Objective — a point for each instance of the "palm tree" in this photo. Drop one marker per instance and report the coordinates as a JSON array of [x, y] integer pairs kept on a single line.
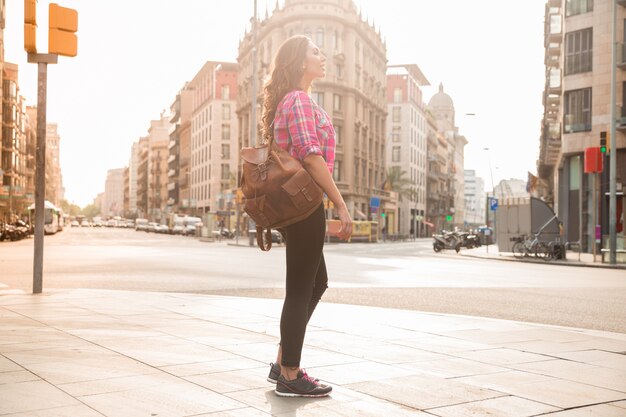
[[396, 181]]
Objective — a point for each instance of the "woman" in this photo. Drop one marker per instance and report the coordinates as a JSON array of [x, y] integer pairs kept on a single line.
[[294, 122]]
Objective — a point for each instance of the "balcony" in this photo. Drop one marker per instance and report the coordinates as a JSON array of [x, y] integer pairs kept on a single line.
[[620, 124], [554, 49], [621, 55]]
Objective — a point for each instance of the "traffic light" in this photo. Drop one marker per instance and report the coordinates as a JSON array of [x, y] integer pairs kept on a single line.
[[383, 215], [448, 218], [62, 25], [30, 26], [603, 137]]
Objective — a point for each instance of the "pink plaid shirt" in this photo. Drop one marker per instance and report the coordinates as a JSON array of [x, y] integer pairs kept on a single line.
[[303, 128]]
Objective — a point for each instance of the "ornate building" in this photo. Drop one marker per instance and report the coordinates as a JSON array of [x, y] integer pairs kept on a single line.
[[442, 108], [353, 91]]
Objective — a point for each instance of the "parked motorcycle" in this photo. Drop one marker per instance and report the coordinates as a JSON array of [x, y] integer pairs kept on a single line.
[[446, 240], [468, 240]]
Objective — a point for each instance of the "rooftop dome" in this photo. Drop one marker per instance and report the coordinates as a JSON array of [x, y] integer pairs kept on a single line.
[[441, 100]]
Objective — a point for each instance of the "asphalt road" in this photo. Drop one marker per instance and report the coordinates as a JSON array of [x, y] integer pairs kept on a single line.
[[406, 275]]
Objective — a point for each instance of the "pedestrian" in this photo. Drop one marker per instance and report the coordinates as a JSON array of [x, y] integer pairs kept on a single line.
[[296, 123]]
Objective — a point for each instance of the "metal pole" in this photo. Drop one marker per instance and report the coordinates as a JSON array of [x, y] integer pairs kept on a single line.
[[613, 156], [253, 129], [40, 177]]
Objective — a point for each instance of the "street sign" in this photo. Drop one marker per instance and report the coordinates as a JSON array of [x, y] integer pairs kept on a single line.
[[375, 202], [493, 203]]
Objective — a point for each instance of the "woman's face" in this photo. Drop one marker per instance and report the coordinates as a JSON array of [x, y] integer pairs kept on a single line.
[[314, 62]]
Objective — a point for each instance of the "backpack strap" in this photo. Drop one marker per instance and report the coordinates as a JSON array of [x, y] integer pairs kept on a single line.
[[261, 241]]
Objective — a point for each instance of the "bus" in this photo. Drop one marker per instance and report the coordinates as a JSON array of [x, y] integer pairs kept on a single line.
[[53, 218]]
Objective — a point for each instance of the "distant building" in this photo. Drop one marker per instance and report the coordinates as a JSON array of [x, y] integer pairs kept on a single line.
[[442, 108], [213, 149], [55, 192], [113, 200], [511, 191], [407, 144], [179, 162], [475, 199]]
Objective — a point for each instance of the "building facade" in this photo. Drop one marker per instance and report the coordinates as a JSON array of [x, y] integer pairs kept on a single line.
[[439, 181], [475, 199], [113, 200], [214, 148], [17, 155], [352, 93], [441, 107], [577, 109], [407, 148], [180, 152], [55, 192]]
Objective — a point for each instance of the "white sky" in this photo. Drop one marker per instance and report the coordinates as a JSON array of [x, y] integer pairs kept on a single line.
[[134, 56]]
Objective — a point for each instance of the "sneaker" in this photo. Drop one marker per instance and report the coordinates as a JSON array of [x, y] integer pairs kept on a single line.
[[302, 386], [274, 373]]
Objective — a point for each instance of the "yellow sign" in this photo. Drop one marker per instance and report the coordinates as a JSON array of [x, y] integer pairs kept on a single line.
[[63, 23], [30, 26]]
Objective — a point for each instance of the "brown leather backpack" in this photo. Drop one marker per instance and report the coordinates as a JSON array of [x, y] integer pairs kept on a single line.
[[278, 191]]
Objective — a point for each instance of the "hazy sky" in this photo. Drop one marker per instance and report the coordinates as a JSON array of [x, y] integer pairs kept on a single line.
[[133, 57]]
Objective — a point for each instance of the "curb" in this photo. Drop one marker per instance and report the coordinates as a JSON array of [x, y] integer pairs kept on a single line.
[[534, 261]]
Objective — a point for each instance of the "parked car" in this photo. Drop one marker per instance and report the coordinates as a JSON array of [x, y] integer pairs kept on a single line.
[[151, 227], [74, 223], [141, 225], [161, 228]]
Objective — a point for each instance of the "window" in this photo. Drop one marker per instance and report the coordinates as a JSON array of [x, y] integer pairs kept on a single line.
[[335, 40], [225, 132], [573, 7], [319, 38], [395, 154], [578, 51], [338, 135], [225, 92], [337, 170], [226, 111], [225, 172], [339, 70], [318, 98], [395, 134], [577, 111], [225, 151], [336, 102], [396, 115], [397, 95]]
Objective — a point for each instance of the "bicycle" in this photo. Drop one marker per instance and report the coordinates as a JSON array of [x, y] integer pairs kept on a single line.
[[525, 247]]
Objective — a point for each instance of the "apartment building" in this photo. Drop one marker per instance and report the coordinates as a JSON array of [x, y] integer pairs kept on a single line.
[[577, 110], [352, 93], [214, 149], [407, 147]]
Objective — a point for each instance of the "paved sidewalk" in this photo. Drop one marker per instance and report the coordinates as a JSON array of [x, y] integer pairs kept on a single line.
[[130, 354], [573, 258]]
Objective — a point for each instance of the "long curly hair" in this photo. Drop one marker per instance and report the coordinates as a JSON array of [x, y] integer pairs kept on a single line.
[[286, 76]]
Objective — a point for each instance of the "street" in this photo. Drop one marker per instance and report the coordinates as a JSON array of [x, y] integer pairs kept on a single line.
[[403, 275]]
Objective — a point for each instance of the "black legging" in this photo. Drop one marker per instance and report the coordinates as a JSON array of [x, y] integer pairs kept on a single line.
[[306, 282]]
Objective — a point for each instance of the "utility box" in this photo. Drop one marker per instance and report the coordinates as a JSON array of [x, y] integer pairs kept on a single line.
[[525, 218]]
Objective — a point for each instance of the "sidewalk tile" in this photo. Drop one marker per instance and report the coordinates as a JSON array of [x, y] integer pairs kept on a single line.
[[565, 394], [495, 407], [358, 372], [440, 344], [232, 381], [452, 368], [423, 392], [602, 410], [60, 354], [241, 412], [70, 411], [222, 365], [176, 399], [116, 384], [7, 365], [266, 400], [364, 408], [17, 376], [503, 381], [502, 356], [18, 397]]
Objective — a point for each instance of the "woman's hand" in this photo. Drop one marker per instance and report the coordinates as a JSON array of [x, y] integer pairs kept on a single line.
[[346, 223]]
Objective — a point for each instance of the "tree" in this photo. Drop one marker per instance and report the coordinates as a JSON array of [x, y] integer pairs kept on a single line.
[[91, 211], [396, 181], [69, 208]]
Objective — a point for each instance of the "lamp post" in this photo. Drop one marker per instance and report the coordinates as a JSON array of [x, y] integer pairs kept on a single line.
[[493, 194]]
